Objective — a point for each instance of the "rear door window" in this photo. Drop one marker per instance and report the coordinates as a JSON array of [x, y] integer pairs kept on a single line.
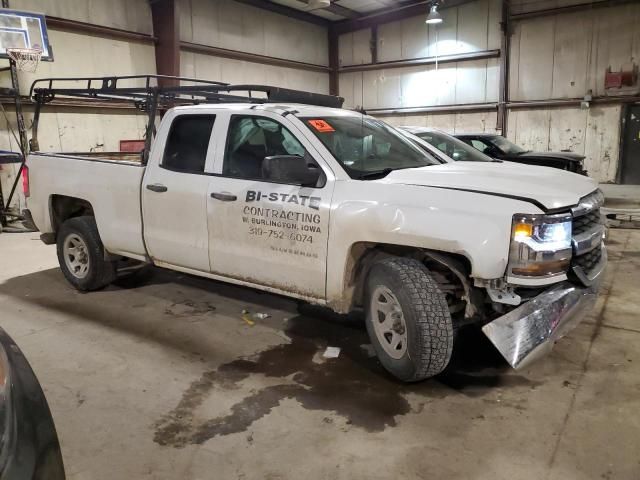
[[188, 142]]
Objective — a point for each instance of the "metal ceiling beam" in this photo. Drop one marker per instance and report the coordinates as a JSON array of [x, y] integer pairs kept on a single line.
[[413, 62], [252, 57], [386, 15], [67, 25], [569, 9], [287, 11]]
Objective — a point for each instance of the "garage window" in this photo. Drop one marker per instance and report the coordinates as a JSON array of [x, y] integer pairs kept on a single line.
[[188, 142]]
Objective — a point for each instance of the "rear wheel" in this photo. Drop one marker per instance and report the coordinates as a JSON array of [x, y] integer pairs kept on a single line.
[[408, 319], [81, 255]]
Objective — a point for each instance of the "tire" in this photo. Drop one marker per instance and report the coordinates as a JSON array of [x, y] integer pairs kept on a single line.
[[89, 270], [421, 348]]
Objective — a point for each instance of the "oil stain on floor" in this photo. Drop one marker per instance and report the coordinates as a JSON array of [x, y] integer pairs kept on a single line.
[[338, 385]]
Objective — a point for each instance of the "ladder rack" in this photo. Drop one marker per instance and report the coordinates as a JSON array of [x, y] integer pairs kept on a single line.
[[154, 93]]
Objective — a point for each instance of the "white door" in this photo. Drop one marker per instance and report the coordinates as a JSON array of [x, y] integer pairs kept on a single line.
[[269, 233], [174, 194]]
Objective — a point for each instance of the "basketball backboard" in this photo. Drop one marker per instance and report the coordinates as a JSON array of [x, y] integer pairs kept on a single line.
[[20, 29]]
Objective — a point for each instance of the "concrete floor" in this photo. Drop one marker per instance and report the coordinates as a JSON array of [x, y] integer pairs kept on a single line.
[[165, 380]]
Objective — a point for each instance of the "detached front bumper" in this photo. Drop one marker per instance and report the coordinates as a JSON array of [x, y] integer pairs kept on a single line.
[[529, 332]]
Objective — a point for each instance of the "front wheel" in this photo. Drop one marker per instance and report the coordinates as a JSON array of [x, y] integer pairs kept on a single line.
[[81, 255], [408, 319]]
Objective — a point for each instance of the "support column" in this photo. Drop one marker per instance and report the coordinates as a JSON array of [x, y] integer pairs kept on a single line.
[[166, 28], [334, 62], [503, 94], [22, 133]]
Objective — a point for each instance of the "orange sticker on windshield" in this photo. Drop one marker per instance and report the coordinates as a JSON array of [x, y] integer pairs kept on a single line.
[[321, 126]]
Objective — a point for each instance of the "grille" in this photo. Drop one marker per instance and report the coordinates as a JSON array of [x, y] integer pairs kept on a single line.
[[589, 260], [586, 222]]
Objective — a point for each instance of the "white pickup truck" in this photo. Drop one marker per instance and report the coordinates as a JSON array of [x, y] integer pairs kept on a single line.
[[335, 208]]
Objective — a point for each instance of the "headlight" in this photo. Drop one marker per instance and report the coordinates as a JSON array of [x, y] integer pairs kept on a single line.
[[540, 245]]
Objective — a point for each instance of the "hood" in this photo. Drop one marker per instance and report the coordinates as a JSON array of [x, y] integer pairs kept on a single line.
[[549, 187], [569, 156]]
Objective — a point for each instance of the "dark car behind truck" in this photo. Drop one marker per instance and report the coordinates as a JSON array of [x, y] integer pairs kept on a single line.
[[498, 147]]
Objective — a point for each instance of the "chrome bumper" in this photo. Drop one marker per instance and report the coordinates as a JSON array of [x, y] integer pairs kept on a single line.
[[528, 332]]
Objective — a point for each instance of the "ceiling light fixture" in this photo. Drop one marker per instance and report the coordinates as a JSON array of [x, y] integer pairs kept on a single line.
[[434, 16], [316, 4]]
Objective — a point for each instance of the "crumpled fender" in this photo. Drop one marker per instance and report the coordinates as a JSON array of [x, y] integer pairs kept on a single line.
[[475, 225]]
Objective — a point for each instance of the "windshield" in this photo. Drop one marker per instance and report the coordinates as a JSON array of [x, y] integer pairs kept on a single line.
[[452, 147], [506, 146], [367, 147]]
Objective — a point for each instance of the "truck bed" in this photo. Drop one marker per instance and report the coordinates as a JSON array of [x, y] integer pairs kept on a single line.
[[110, 182]]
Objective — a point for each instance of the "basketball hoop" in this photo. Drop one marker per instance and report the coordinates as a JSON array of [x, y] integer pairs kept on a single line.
[[27, 59]]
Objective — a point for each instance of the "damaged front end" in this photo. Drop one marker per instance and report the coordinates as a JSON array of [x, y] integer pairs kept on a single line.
[[567, 249], [529, 331]]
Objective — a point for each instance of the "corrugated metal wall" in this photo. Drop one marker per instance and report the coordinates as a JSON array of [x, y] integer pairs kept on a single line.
[[65, 129], [472, 27], [560, 56], [552, 57], [467, 122], [218, 23], [564, 56], [235, 26]]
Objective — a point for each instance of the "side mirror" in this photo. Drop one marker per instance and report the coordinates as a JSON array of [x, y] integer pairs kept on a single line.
[[291, 169]]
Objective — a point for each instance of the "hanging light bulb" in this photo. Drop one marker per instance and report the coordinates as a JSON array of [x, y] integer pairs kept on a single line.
[[434, 16]]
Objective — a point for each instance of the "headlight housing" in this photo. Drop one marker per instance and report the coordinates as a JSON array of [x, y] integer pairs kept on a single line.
[[540, 246]]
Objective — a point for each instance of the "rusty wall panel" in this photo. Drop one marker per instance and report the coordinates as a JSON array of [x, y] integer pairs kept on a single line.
[[593, 132], [601, 142], [567, 129], [564, 56]]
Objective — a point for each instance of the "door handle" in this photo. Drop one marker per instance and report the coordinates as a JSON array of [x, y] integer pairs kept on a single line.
[[156, 187], [224, 197]]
